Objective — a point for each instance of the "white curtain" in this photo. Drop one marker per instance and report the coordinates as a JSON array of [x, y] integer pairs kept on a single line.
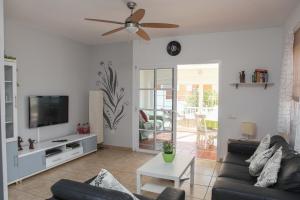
[[289, 110], [286, 88]]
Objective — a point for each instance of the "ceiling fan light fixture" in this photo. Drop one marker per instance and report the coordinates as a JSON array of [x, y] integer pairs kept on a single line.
[[132, 23], [132, 27]]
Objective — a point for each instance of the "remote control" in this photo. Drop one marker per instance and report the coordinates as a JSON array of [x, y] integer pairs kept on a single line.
[[59, 140]]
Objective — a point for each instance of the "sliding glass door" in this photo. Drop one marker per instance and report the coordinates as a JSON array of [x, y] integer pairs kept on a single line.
[[156, 107]]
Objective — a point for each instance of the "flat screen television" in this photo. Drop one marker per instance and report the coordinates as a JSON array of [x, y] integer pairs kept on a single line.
[[48, 110]]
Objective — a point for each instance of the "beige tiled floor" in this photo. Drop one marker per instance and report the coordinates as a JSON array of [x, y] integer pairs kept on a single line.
[[122, 164]]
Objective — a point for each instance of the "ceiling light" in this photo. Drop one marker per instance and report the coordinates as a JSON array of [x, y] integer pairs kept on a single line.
[[132, 27]]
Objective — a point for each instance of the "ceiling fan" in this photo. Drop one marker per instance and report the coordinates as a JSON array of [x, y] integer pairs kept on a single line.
[[132, 23]]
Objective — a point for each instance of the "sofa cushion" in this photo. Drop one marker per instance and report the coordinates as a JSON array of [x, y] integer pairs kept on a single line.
[[140, 197], [144, 116], [106, 180], [279, 140], [258, 163], [287, 151], [172, 193], [238, 159], [268, 176], [289, 175], [233, 189], [263, 145], [236, 172], [245, 147], [67, 189]]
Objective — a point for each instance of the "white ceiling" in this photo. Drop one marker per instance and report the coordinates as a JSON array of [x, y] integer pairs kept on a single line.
[[65, 17]]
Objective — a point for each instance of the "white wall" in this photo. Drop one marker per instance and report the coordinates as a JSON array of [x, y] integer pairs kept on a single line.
[[120, 54], [48, 65], [62, 66], [3, 170], [236, 51]]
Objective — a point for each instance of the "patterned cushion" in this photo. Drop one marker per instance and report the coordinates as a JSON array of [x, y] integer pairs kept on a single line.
[[269, 174], [144, 116], [263, 145], [108, 181], [258, 163]]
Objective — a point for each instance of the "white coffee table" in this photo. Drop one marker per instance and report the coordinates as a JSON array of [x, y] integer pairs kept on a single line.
[[157, 168]]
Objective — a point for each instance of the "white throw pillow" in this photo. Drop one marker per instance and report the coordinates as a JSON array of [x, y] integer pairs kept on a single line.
[[269, 174], [258, 163], [263, 145], [108, 181]]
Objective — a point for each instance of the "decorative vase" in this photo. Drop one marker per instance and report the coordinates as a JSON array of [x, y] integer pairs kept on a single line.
[[168, 157], [242, 77]]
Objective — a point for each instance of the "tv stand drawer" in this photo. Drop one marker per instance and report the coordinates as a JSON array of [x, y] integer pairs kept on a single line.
[[63, 157], [54, 160], [74, 152]]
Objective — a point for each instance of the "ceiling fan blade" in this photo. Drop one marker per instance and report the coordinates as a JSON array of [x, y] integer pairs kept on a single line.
[[137, 15], [159, 25], [113, 31], [143, 34], [105, 21]]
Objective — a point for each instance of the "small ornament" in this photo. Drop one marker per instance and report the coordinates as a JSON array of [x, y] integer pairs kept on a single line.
[[78, 128], [83, 128], [242, 77], [88, 128], [31, 142], [20, 140]]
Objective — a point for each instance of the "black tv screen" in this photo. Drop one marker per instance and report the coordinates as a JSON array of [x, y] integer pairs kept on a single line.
[[48, 110]]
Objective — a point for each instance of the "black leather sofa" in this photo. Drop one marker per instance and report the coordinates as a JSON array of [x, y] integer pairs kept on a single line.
[[235, 183], [72, 190]]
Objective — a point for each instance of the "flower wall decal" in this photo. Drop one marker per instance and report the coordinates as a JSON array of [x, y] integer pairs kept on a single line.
[[114, 105]]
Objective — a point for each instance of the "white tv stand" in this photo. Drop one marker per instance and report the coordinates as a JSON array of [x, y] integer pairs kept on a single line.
[[31, 162]]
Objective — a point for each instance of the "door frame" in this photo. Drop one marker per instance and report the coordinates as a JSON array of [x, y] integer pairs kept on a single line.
[[135, 102], [3, 168], [136, 90]]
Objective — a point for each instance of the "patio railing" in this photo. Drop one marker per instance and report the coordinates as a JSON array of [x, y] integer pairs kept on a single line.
[[192, 111]]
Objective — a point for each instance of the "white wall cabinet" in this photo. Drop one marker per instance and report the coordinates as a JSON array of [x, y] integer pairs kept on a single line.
[[32, 163], [10, 98], [12, 161]]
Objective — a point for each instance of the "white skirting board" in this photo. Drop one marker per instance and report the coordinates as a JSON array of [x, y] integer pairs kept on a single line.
[[96, 114]]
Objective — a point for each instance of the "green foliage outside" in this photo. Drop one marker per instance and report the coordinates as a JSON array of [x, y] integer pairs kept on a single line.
[[193, 100], [210, 98]]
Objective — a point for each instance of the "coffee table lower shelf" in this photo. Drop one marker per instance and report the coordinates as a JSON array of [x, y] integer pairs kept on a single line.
[[182, 168], [155, 188]]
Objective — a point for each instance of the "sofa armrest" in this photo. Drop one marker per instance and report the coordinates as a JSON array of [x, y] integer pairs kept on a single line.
[[71, 190], [242, 146], [172, 194], [227, 188]]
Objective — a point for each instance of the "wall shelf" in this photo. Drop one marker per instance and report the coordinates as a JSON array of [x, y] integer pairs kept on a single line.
[[265, 85]]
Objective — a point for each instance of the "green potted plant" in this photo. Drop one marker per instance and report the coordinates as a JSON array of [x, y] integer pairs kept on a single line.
[[168, 152]]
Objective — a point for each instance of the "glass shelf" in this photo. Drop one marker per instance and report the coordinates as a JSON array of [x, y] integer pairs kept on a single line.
[[10, 95]]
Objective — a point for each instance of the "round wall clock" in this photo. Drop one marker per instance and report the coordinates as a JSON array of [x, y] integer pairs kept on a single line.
[[173, 48]]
